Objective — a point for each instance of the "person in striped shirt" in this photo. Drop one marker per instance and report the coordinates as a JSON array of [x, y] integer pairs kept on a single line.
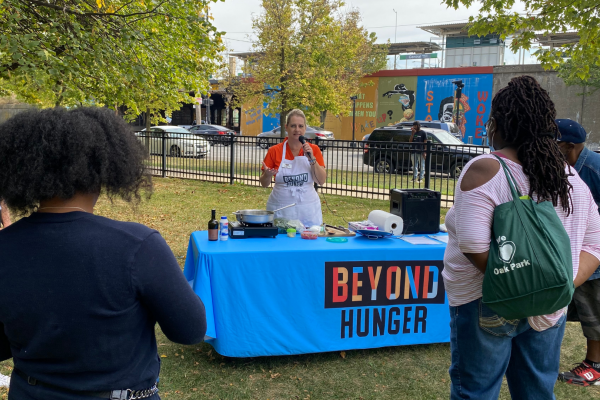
[[484, 346]]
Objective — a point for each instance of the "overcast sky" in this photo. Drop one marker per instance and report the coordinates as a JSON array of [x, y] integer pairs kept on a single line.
[[235, 18]]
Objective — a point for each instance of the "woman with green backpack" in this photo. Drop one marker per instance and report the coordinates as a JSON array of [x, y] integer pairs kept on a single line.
[[523, 231]]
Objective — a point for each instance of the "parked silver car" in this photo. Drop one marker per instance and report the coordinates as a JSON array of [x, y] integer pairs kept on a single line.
[[269, 138], [179, 142]]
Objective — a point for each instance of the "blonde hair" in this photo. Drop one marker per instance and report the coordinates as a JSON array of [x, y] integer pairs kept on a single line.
[[294, 113]]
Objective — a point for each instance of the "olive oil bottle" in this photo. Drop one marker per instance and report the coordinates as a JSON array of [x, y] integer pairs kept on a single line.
[[213, 227]]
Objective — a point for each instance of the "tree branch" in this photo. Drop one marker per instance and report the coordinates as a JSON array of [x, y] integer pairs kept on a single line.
[[123, 6], [58, 51], [75, 12]]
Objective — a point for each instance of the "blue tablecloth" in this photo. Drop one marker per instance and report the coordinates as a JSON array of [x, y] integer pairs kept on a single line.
[[276, 296]]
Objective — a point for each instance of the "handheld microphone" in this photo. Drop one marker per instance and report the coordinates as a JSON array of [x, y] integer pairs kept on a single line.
[[303, 140]]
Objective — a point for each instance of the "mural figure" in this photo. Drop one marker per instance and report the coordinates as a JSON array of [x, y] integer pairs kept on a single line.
[[408, 115], [446, 112], [407, 97], [434, 99]]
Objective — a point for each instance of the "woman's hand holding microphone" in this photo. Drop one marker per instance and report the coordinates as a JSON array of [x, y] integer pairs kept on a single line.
[[307, 151]]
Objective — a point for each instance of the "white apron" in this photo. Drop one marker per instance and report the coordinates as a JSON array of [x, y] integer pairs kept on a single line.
[[294, 184]]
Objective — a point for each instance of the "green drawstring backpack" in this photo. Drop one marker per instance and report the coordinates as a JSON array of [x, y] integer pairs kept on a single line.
[[529, 268]]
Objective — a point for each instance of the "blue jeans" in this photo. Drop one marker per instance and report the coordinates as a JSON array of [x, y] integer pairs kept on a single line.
[[485, 347], [418, 163]]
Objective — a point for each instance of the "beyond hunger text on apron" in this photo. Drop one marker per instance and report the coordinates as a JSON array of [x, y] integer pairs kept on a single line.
[[294, 184]]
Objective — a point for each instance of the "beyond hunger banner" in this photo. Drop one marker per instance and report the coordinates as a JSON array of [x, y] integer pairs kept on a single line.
[[400, 290]]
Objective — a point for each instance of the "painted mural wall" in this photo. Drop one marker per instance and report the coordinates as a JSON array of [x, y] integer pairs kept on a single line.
[[436, 101], [393, 99], [397, 100], [390, 97], [366, 113], [333, 123], [252, 121], [270, 122], [255, 121]]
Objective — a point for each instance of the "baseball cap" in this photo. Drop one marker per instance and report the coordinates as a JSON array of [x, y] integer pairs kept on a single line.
[[571, 131]]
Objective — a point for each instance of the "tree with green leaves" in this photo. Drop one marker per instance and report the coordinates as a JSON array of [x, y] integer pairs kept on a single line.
[[142, 54], [308, 54], [569, 72], [544, 17]]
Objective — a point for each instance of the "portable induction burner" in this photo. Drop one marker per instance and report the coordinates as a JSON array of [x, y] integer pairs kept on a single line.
[[240, 230]]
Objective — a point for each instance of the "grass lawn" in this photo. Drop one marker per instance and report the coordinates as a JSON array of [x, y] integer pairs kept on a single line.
[[179, 207]]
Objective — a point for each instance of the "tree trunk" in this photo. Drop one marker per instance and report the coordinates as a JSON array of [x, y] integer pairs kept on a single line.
[[61, 90], [282, 115]]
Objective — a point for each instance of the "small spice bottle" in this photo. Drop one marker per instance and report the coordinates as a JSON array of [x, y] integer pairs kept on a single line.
[[291, 232]]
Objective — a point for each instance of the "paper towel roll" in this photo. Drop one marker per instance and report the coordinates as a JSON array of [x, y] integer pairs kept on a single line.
[[386, 221]]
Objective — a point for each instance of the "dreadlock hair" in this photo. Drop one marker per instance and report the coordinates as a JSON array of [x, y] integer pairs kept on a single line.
[[525, 115]]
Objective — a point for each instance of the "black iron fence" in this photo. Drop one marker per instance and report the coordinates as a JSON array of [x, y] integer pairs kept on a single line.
[[354, 168]]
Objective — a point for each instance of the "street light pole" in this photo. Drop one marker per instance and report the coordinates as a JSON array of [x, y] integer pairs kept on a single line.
[[353, 98], [395, 31]]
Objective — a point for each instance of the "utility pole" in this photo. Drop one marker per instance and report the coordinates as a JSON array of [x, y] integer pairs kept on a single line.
[[395, 31]]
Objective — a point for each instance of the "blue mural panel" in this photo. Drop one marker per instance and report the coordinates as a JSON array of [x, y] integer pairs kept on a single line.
[[436, 101], [270, 122]]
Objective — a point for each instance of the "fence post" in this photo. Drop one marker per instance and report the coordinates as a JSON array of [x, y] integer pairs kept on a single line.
[[164, 155], [427, 164], [231, 160]]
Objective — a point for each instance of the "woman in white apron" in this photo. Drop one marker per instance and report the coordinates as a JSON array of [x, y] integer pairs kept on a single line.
[[295, 175]]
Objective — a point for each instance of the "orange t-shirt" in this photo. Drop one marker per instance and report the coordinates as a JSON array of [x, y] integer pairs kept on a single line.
[[273, 157]]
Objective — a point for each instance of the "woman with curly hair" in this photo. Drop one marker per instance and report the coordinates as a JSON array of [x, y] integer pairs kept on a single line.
[[485, 346], [80, 294]]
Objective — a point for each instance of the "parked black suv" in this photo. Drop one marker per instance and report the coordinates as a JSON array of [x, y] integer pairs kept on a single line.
[[388, 150]]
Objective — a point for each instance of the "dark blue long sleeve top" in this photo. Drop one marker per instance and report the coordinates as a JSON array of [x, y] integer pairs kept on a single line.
[[79, 299]]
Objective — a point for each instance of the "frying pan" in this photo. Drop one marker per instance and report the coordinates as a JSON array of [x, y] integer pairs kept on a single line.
[[257, 216]]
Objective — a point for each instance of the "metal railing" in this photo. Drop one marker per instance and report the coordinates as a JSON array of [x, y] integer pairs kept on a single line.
[[354, 168]]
